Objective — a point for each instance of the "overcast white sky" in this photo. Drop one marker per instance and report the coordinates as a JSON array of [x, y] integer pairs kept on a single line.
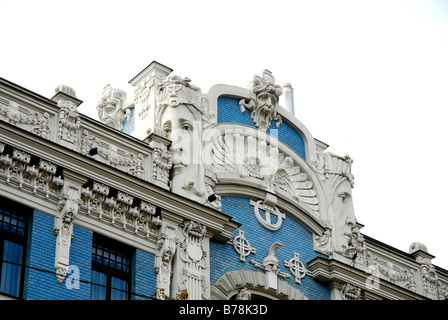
[[370, 79]]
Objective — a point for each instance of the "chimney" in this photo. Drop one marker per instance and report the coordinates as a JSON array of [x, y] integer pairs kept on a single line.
[[289, 98]]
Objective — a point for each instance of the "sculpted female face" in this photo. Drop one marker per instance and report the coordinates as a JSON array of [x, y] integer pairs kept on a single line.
[[344, 217], [180, 126]]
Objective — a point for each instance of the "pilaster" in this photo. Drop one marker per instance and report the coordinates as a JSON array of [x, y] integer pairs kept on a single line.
[[191, 267], [69, 119]]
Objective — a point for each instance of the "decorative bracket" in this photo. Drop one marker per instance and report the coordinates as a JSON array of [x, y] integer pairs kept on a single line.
[[166, 249], [63, 229]]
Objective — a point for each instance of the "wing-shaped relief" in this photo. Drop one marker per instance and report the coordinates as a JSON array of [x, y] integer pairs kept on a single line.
[[248, 156]]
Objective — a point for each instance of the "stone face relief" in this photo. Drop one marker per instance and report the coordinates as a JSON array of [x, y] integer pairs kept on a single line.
[[181, 117], [344, 220], [264, 101], [111, 110], [342, 235]]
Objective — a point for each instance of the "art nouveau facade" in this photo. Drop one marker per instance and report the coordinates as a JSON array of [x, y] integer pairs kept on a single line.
[[224, 194]]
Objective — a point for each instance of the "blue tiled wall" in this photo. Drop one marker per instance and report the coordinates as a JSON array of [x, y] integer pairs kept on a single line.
[[295, 238], [40, 279], [229, 112], [129, 126], [144, 279]]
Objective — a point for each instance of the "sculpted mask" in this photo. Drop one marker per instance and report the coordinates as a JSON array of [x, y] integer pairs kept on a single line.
[[264, 100], [110, 108]]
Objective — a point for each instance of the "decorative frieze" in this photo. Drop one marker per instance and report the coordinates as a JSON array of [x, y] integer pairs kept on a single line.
[[29, 120], [119, 209], [112, 155], [39, 175], [385, 269]]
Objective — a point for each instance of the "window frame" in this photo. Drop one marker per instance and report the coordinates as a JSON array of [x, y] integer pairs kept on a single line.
[[109, 271], [25, 212]]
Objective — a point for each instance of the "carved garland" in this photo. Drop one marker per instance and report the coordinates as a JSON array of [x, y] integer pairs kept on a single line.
[[34, 122], [129, 162]]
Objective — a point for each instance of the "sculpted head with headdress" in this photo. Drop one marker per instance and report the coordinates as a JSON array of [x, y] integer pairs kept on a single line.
[[335, 172], [179, 114], [264, 100], [110, 108]]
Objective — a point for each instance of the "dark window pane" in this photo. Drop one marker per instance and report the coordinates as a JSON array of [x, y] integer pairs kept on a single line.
[[98, 288], [11, 268], [12, 222], [119, 289]]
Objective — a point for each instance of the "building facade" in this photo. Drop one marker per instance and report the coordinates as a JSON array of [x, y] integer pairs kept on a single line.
[[219, 195]]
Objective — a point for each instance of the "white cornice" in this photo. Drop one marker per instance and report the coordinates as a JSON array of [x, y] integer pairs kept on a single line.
[[336, 272], [219, 224]]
